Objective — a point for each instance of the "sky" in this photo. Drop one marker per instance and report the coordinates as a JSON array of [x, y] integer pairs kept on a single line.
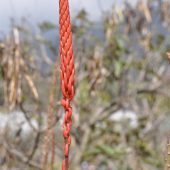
[[42, 10]]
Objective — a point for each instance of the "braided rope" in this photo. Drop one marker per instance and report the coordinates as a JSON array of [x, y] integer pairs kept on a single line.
[[67, 75]]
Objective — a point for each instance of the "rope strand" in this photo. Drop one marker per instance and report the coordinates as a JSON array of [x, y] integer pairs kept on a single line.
[[67, 75]]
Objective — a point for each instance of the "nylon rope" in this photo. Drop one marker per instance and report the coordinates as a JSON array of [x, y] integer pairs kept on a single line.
[[67, 75]]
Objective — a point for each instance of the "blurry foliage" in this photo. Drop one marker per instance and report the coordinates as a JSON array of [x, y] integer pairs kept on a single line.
[[81, 24], [128, 65], [47, 26]]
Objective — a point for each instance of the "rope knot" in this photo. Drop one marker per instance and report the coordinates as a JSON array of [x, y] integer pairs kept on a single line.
[[65, 103]]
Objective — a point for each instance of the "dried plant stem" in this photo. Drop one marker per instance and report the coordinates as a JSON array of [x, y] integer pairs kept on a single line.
[[168, 155], [49, 138]]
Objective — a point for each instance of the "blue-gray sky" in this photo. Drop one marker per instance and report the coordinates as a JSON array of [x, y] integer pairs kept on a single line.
[[38, 10]]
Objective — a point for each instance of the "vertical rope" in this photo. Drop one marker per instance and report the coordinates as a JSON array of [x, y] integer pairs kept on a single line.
[[67, 75]]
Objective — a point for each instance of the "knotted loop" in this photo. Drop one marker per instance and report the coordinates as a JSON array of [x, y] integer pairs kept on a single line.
[[65, 103]]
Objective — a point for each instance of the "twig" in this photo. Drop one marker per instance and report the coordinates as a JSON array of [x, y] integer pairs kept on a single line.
[[50, 134], [20, 156]]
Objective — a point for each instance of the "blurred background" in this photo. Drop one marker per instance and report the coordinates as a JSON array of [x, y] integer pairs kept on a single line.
[[121, 117]]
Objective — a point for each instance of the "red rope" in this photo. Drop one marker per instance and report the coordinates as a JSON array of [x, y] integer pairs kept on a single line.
[[67, 75]]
